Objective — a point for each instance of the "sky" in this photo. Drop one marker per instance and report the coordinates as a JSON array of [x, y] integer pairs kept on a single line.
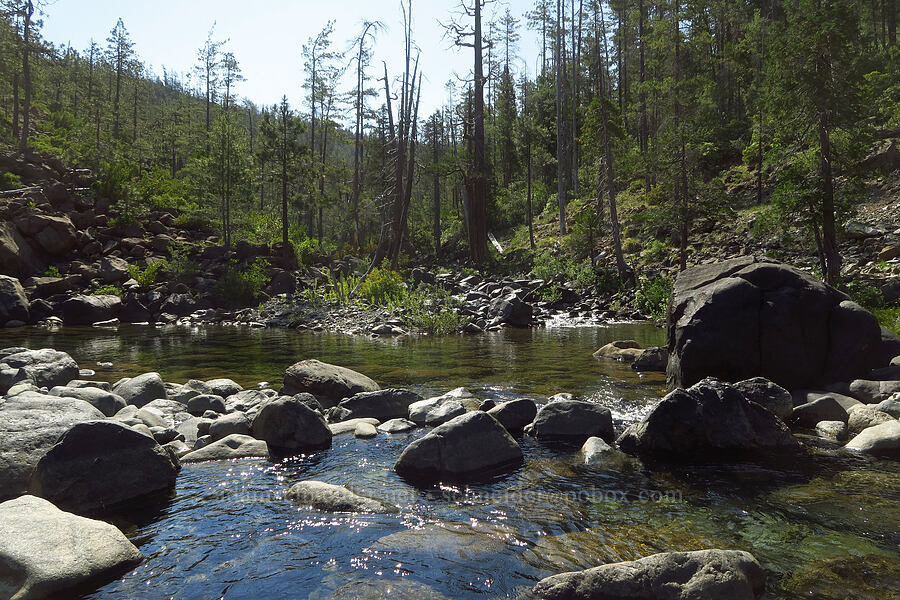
[[266, 37]]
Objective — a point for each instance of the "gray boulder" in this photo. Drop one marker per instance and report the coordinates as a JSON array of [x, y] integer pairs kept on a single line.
[[825, 408], [289, 426], [890, 406], [201, 403], [350, 425], [86, 310], [44, 368], [56, 235], [333, 498], [223, 387], [231, 447], [511, 310], [654, 358], [14, 305], [397, 426], [142, 389], [17, 257], [515, 414], [698, 575], [101, 464], [872, 392], [748, 317], [574, 420], [106, 402], [328, 383], [247, 401], [882, 440], [30, 424], [382, 405], [710, 416], [863, 417], [620, 350], [832, 430], [769, 394], [236, 422], [46, 552], [464, 447], [113, 269]]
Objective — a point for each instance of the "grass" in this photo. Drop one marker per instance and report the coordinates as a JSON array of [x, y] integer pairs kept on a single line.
[[889, 317]]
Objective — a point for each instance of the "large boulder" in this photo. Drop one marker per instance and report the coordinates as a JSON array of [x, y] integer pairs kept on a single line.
[[17, 257], [621, 350], [56, 235], [511, 310], [142, 389], [383, 405], [333, 498], [14, 305], [230, 447], [328, 383], [289, 426], [30, 424], [86, 310], [698, 575], [435, 411], [113, 269], [232, 423], [106, 402], [572, 420], [44, 368], [467, 446], [881, 440], [46, 552], [748, 317], [709, 416], [655, 358], [515, 414], [825, 408], [768, 394], [101, 464]]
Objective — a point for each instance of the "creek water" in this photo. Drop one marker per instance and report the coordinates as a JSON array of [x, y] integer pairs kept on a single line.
[[824, 523]]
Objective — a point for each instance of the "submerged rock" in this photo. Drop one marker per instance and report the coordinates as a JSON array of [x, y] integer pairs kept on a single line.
[[709, 416], [333, 498], [328, 383], [100, 464], [46, 552], [698, 575], [621, 350], [462, 447], [232, 446]]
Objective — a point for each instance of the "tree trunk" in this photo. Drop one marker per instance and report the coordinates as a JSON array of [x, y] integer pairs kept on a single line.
[[26, 75], [832, 258], [436, 182], [477, 183], [561, 172]]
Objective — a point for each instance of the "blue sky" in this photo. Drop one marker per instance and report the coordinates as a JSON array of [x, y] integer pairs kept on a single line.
[[266, 37]]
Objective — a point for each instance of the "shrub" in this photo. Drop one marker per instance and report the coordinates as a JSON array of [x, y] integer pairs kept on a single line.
[[8, 181], [180, 265], [147, 276], [382, 286], [240, 285], [889, 317], [52, 271], [652, 296], [865, 294], [107, 290]]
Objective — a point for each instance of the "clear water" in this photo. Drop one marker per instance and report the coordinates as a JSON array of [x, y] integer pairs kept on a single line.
[[824, 525]]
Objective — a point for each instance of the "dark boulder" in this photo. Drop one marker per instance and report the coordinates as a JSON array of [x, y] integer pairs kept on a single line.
[[511, 310], [85, 310], [515, 414], [572, 420], [710, 417], [383, 405], [14, 305], [748, 317], [654, 358], [289, 426], [768, 394], [464, 447], [101, 464]]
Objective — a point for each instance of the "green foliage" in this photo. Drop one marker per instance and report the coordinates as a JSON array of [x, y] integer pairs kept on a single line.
[[652, 296], [148, 275], [865, 294], [307, 251], [52, 271], [241, 284], [430, 308], [382, 286], [9, 181], [107, 290], [157, 189], [889, 317], [548, 266], [180, 264]]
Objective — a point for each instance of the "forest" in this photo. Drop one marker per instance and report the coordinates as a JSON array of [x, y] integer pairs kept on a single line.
[[677, 112]]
